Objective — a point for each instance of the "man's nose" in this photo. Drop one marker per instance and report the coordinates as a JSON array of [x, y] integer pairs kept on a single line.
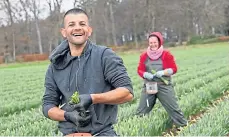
[[77, 27]]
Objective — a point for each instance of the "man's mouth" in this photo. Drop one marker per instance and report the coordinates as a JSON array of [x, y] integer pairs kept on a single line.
[[77, 35]]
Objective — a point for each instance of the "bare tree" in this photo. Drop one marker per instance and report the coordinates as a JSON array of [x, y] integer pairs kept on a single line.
[[24, 4], [111, 11], [55, 22], [114, 22], [93, 21], [35, 10], [104, 19], [8, 7], [134, 18], [106, 26], [89, 6]]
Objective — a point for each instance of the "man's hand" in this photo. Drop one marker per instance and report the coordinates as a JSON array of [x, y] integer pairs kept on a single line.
[[69, 107], [77, 119], [160, 73], [148, 76], [85, 102]]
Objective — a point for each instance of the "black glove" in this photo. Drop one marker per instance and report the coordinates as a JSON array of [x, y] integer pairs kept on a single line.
[[77, 119], [85, 102], [69, 107]]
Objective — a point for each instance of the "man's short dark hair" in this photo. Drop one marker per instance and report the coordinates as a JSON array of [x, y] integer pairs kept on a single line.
[[75, 11]]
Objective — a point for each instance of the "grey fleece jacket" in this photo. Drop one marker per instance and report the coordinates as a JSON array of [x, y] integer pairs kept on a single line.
[[97, 70]]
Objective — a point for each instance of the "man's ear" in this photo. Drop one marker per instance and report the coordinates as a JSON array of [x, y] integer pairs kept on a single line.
[[63, 32], [89, 31]]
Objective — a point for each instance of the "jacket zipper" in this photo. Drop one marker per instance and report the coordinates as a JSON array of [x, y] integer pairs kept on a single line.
[[77, 88], [70, 77]]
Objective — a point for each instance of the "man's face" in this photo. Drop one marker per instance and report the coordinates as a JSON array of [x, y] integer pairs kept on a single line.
[[76, 29], [153, 43]]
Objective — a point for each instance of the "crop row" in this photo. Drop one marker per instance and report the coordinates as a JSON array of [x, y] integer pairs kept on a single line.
[[152, 124], [213, 123], [155, 123]]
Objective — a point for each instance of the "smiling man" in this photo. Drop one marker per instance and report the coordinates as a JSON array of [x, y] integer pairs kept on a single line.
[[95, 72]]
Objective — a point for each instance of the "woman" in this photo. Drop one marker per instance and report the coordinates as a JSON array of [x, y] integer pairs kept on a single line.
[[162, 62]]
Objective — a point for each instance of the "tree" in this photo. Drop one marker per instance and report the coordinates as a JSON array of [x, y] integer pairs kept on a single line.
[[24, 5], [35, 10], [9, 12]]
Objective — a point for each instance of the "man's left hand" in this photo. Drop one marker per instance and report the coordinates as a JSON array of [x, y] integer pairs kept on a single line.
[[85, 102]]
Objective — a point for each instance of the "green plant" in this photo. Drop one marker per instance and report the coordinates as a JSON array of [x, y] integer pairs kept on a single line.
[[75, 98], [164, 80]]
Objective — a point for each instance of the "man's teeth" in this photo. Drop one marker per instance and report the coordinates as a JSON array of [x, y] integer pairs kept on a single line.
[[77, 34]]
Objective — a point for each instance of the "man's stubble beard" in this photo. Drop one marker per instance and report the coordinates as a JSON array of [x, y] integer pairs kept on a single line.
[[78, 44]]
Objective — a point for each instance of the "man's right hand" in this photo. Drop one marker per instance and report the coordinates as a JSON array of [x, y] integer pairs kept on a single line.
[[148, 76], [77, 119], [69, 107]]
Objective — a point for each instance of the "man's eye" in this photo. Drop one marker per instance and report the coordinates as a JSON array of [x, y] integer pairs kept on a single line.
[[71, 25]]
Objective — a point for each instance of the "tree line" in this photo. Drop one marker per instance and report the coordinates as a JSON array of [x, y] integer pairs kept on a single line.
[[114, 22]]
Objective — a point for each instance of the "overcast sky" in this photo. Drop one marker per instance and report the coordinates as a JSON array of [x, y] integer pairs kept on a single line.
[[67, 4]]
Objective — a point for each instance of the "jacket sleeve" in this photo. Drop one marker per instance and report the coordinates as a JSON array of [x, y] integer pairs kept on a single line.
[[114, 70], [141, 65], [51, 97], [170, 61]]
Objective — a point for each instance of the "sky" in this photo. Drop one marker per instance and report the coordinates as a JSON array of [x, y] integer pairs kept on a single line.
[[66, 5]]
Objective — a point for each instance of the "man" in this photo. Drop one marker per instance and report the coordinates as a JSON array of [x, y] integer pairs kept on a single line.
[[95, 72]]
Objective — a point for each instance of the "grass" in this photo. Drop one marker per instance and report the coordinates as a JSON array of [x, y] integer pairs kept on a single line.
[[22, 84]]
